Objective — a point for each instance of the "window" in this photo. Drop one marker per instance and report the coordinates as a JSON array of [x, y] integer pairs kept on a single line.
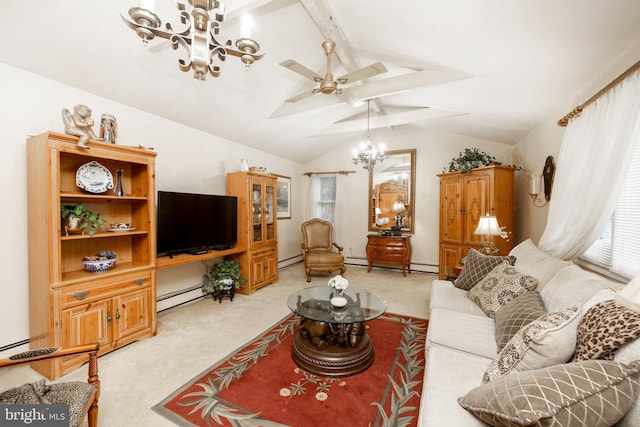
[[327, 202], [324, 193], [618, 248]]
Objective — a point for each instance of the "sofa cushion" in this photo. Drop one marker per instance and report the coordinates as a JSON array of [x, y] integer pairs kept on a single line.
[[535, 262], [462, 331], [477, 266], [546, 341], [605, 328], [449, 375], [503, 284], [627, 354], [516, 314], [446, 296], [588, 393], [572, 285]]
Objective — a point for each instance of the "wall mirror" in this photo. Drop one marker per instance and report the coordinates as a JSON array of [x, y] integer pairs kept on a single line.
[[392, 191]]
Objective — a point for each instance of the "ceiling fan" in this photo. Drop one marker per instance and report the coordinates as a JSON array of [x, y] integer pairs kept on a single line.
[[329, 85]]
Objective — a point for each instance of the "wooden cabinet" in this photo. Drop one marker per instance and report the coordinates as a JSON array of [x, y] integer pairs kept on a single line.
[[69, 305], [257, 227], [464, 197], [394, 250]]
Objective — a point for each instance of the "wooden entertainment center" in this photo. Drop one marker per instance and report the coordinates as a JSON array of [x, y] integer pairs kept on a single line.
[[69, 305]]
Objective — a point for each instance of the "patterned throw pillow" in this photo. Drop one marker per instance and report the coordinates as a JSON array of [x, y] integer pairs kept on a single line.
[[477, 266], [515, 315], [26, 394], [502, 285], [588, 393], [604, 328], [546, 341]]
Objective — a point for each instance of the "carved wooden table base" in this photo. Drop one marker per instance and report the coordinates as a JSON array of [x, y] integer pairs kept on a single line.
[[332, 349]]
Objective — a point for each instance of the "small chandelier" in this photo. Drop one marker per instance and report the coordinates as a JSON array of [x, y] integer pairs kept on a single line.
[[368, 155], [202, 19]]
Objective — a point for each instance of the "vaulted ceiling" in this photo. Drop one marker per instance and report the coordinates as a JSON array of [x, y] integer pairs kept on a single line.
[[490, 69]]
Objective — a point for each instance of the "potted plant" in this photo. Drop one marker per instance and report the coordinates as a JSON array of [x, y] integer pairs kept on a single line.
[[223, 278], [471, 158], [78, 219]]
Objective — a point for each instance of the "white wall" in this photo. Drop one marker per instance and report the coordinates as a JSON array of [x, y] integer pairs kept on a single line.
[[434, 150], [188, 160]]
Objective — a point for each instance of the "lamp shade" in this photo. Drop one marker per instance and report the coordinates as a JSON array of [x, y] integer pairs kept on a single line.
[[488, 226]]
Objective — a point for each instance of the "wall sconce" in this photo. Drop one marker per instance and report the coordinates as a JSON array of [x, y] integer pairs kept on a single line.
[[534, 183]]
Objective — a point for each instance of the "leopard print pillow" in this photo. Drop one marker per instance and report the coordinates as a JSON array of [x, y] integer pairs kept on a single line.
[[604, 328]]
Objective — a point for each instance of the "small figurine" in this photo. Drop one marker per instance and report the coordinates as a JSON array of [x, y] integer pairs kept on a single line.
[[79, 124], [108, 128]]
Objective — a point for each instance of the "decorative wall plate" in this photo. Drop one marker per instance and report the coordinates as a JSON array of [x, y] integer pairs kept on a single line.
[[94, 178]]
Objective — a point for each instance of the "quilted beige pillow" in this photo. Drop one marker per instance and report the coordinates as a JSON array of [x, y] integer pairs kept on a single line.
[[604, 328], [594, 393], [544, 342], [502, 285], [515, 315], [477, 266]]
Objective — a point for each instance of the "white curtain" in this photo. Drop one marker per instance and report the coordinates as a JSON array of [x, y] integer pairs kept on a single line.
[[338, 223], [592, 164]]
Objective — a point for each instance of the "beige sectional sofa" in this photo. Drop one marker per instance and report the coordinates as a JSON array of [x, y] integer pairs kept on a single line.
[[461, 339]]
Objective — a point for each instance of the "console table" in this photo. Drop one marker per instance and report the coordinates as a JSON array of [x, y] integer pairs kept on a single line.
[[389, 250]]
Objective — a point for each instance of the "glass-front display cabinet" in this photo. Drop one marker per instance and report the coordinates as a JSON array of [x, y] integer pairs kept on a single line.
[[257, 227]]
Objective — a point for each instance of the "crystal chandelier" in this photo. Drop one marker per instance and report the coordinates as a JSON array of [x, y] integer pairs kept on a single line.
[[202, 19], [368, 155]]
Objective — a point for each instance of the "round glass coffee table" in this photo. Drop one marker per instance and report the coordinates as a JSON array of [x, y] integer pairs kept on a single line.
[[332, 340]]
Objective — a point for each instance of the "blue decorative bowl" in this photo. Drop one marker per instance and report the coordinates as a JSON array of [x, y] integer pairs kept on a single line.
[[98, 263]]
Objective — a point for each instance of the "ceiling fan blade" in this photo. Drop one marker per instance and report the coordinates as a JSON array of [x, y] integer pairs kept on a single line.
[[301, 96], [412, 116], [363, 73], [346, 96], [296, 67], [404, 82]]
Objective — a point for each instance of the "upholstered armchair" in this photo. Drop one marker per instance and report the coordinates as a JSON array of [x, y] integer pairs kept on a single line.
[[82, 397], [321, 253]]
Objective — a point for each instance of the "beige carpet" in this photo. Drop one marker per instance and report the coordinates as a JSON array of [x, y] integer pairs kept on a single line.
[[194, 336]]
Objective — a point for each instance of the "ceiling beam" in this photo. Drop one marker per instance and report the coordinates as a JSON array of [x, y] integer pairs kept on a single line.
[[412, 116], [328, 25]]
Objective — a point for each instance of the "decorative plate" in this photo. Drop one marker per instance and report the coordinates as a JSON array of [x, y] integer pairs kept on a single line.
[[94, 178], [121, 229]]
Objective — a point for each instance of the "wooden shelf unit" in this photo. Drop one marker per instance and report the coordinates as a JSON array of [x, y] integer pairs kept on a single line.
[[166, 261], [69, 305], [257, 227]]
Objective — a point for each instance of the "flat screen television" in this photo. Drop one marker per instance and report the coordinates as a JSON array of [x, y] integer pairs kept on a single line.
[[195, 223]]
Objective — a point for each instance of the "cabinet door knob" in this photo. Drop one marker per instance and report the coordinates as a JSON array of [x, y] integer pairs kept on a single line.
[[117, 313], [80, 295], [108, 317]]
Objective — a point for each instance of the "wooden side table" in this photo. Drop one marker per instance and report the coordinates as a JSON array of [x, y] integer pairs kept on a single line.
[[389, 250]]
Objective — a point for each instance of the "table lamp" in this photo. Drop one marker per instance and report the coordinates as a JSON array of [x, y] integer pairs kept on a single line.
[[488, 227]]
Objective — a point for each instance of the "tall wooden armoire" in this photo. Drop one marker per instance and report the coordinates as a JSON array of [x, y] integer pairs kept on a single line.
[[464, 197]]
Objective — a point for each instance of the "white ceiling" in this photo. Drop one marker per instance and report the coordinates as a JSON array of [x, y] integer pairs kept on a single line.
[[520, 58]]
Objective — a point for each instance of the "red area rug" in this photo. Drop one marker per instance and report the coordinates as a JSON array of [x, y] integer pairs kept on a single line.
[[259, 384]]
